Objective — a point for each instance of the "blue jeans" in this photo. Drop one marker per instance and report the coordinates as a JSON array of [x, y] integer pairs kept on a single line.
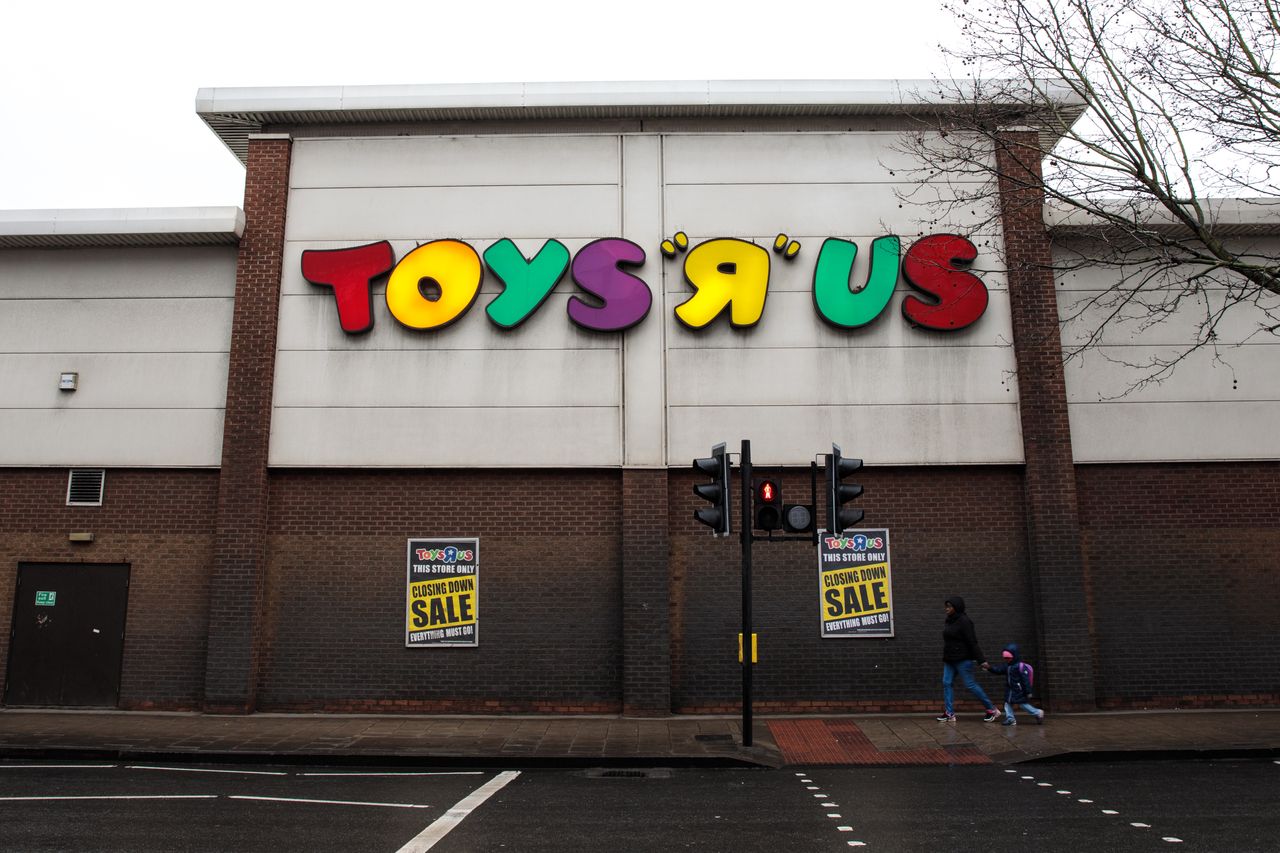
[[1026, 706], [965, 670]]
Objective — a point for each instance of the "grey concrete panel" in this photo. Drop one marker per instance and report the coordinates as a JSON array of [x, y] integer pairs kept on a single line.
[[444, 437], [310, 322], [293, 283], [791, 320], [120, 438], [1231, 374], [456, 379], [1145, 322], [881, 435], [1071, 252], [716, 158], [864, 376], [364, 215], [735, 210], [1174, 432], [114, 380], [796, 274], [423, 161], [105, 273], [644, 364], [116, 325]]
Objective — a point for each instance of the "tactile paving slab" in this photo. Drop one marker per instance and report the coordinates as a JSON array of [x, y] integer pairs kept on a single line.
[[842, 742]]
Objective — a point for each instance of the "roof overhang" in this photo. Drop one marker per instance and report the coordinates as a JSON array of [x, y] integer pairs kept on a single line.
[[237, 113], [139, 226], [1228, 217]]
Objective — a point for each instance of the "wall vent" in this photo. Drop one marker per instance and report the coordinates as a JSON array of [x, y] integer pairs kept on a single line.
[[85, 487]]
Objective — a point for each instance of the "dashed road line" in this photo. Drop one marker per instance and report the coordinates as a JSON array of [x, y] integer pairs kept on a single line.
[[115, 797], [825, 802], [1085, 800], [55, 766]]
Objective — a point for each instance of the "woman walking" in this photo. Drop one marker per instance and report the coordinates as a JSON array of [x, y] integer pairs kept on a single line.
[[960, 655]]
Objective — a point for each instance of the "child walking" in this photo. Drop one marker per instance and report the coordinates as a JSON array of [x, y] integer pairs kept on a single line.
[[1017, 685]]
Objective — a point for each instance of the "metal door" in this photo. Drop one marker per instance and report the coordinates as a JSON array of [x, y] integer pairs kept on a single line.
[[68, 635]]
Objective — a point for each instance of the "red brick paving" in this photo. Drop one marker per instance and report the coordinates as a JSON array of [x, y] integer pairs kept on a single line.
[[842, 742]]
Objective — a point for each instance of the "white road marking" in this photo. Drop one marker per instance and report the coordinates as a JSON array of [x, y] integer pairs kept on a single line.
[[328, 802], [857, 844], [1171, 839], [806, 780], [821, 796], [834, 816], [813, 787], [1011, 771], [1044, 784], [844, 828], [117, 797], [1084, 801], [410, 773], [1110, 811], [1141, 825], [208, 770], [1028, 778], [430, 836], [55, 766], [830, 805], [1064, 792]]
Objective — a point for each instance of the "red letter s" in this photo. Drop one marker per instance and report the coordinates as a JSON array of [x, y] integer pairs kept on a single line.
[[933, 267]]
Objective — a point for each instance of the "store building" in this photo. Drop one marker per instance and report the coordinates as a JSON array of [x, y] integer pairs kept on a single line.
[[446, 317]]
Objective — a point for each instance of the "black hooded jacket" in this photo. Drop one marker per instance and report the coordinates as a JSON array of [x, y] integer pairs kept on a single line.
[[959, 639]]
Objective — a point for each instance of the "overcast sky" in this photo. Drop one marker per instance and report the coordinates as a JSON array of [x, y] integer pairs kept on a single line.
[[98, 99]]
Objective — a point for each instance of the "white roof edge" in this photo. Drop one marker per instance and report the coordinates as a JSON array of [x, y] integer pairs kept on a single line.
[[689, 93], [1260, 214], [123, 221]]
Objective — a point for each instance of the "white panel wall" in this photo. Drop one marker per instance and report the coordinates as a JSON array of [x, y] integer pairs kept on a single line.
[[887, 392], [1218, 404], [660, 393], [547, 393], [147, 330]]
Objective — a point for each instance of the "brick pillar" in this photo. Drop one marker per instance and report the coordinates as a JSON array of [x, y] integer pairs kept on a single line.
[[240, 544], [646, 589], [1059, 575]]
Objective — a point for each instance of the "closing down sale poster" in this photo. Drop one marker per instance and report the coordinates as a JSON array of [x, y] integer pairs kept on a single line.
[[855, 585], [443, 593]]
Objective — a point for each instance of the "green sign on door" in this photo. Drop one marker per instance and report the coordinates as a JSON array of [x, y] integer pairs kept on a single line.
[[46, 598]]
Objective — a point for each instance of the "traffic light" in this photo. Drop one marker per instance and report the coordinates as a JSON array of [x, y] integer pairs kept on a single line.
[[838, 493], [715, 466], [768, 504], [797, 518]]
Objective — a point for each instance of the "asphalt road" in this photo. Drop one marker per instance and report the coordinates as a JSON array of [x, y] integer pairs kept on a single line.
[[1128, 806]]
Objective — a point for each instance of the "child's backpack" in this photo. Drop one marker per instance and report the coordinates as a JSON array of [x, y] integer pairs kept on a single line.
[[1029, 673]]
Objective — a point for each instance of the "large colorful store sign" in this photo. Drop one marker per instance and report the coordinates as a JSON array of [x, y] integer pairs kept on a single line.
[[436, 283]]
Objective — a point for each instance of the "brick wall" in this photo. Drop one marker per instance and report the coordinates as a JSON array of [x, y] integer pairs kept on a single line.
[[952, 531], [159, 522], [1185, 580], [1059, 572], [239, 564], [646, 584], [550, 634]]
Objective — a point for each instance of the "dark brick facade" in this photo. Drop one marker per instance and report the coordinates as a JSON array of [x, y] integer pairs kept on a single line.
[[1186, 582], [550, 600], [952, 531], [1059, 572], [239, 564], [160, 523], [646, 585]]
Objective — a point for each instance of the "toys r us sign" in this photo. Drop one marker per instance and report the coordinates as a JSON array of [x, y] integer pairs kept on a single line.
[[436, 283]]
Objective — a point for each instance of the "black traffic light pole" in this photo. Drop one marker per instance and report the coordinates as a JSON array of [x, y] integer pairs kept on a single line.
[[747, 538]]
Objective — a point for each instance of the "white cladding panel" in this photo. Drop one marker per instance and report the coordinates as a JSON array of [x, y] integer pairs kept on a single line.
[[659, 393], [887, 392], [1220, 403], [146, 330]]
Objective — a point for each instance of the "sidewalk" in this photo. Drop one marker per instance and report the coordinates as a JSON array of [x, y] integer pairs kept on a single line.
[[594, 741]]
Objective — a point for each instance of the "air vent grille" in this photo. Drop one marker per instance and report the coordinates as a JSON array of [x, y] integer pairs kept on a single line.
[[85, 487]]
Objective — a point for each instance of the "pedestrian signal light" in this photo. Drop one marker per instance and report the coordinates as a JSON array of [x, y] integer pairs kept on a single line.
[[716, 493], [768, 505], [839, 493]]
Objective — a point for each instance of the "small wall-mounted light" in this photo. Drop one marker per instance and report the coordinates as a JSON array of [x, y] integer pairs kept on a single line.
[[68, 381], [80, 537]]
